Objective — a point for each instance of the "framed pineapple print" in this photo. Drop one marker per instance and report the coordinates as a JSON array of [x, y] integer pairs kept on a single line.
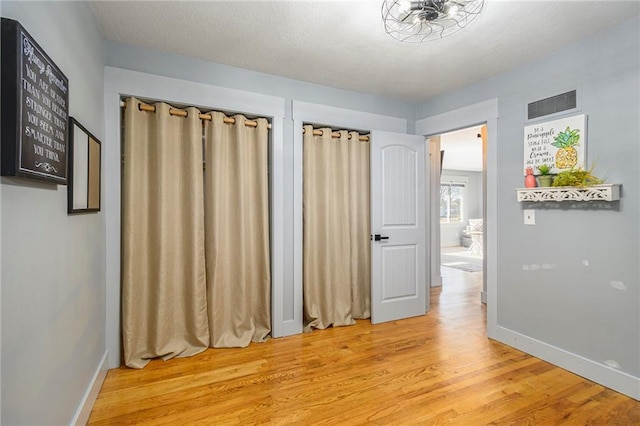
[[560, 144]]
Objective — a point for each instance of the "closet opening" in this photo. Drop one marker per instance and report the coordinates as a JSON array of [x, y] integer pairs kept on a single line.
[[397, 210], [195, 240], [336, 217]]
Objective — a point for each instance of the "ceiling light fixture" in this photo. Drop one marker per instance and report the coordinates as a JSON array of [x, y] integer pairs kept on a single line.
[[418, 21]]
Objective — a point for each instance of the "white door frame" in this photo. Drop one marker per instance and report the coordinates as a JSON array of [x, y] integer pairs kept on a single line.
[[433, 210], [120, 82], [481, 113], [303, 113]]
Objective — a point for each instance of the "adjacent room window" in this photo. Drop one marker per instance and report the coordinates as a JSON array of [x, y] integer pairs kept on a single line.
[[451, 202]]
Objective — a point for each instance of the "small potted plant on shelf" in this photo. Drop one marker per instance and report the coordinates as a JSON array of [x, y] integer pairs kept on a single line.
[[545, 177], [577, 177]]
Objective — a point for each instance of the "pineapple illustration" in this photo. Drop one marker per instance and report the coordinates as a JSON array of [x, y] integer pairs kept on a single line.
[[566, 156]]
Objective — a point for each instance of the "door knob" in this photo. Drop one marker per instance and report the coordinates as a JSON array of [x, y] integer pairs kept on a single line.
[[378, 237]]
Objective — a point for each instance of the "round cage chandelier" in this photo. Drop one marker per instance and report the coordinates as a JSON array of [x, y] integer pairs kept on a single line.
[[418, 21]]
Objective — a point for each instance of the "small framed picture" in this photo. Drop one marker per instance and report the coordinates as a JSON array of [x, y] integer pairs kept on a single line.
[[83, 187]]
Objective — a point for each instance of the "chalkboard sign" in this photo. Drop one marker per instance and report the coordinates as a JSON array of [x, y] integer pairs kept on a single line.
[[34, 108]]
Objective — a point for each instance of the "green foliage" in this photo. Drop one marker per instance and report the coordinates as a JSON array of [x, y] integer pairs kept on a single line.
[[577, 177], [544, 169], [567, 139]]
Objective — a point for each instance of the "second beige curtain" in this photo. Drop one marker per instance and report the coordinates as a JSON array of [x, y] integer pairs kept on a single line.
[[336, 247], [237, 229]]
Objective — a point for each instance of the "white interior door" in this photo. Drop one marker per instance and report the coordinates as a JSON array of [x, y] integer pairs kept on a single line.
[[398, 226]]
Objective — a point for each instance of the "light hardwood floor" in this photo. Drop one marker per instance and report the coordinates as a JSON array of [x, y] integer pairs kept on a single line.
[[435, 369]]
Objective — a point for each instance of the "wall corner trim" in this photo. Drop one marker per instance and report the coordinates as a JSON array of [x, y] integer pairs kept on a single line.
[[599, 373], [91, 394], [467, 116]]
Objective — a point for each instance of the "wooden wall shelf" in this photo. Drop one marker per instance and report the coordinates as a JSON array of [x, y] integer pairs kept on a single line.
[[605, 192]]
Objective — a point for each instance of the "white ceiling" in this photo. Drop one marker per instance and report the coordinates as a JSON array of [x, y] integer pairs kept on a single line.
[[462, 150], [343, 44]]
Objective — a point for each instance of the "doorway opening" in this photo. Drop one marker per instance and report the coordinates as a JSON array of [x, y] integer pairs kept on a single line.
[[458, 216]]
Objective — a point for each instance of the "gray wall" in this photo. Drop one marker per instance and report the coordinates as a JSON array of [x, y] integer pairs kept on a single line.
[[571, 306], [171, 65], [474, 195], [53, 285], [450, 234]]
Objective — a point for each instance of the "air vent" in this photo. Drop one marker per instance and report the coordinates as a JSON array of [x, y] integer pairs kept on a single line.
[[558, 103]]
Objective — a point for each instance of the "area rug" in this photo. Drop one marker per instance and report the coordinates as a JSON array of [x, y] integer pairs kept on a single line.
[[461, 263]]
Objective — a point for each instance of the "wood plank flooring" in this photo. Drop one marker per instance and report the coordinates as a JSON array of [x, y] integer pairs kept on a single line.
[[435, 369]]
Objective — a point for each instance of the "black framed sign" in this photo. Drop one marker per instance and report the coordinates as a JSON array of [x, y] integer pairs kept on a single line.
[[34, 109], [83, 186]]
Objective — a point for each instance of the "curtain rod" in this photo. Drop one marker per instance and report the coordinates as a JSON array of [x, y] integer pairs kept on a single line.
[[230, 120], [335, 135], [181, 113]]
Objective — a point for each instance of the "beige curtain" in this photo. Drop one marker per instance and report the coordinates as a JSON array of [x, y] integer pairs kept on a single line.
[[237, 229], [360, 226], [336, 248], [164, 304]]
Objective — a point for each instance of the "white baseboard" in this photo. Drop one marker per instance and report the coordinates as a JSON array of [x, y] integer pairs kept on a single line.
[[84, 409], [436, 281], [599, 373]]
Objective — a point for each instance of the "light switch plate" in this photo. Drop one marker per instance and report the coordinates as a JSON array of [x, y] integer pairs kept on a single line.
[[529, 217]]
